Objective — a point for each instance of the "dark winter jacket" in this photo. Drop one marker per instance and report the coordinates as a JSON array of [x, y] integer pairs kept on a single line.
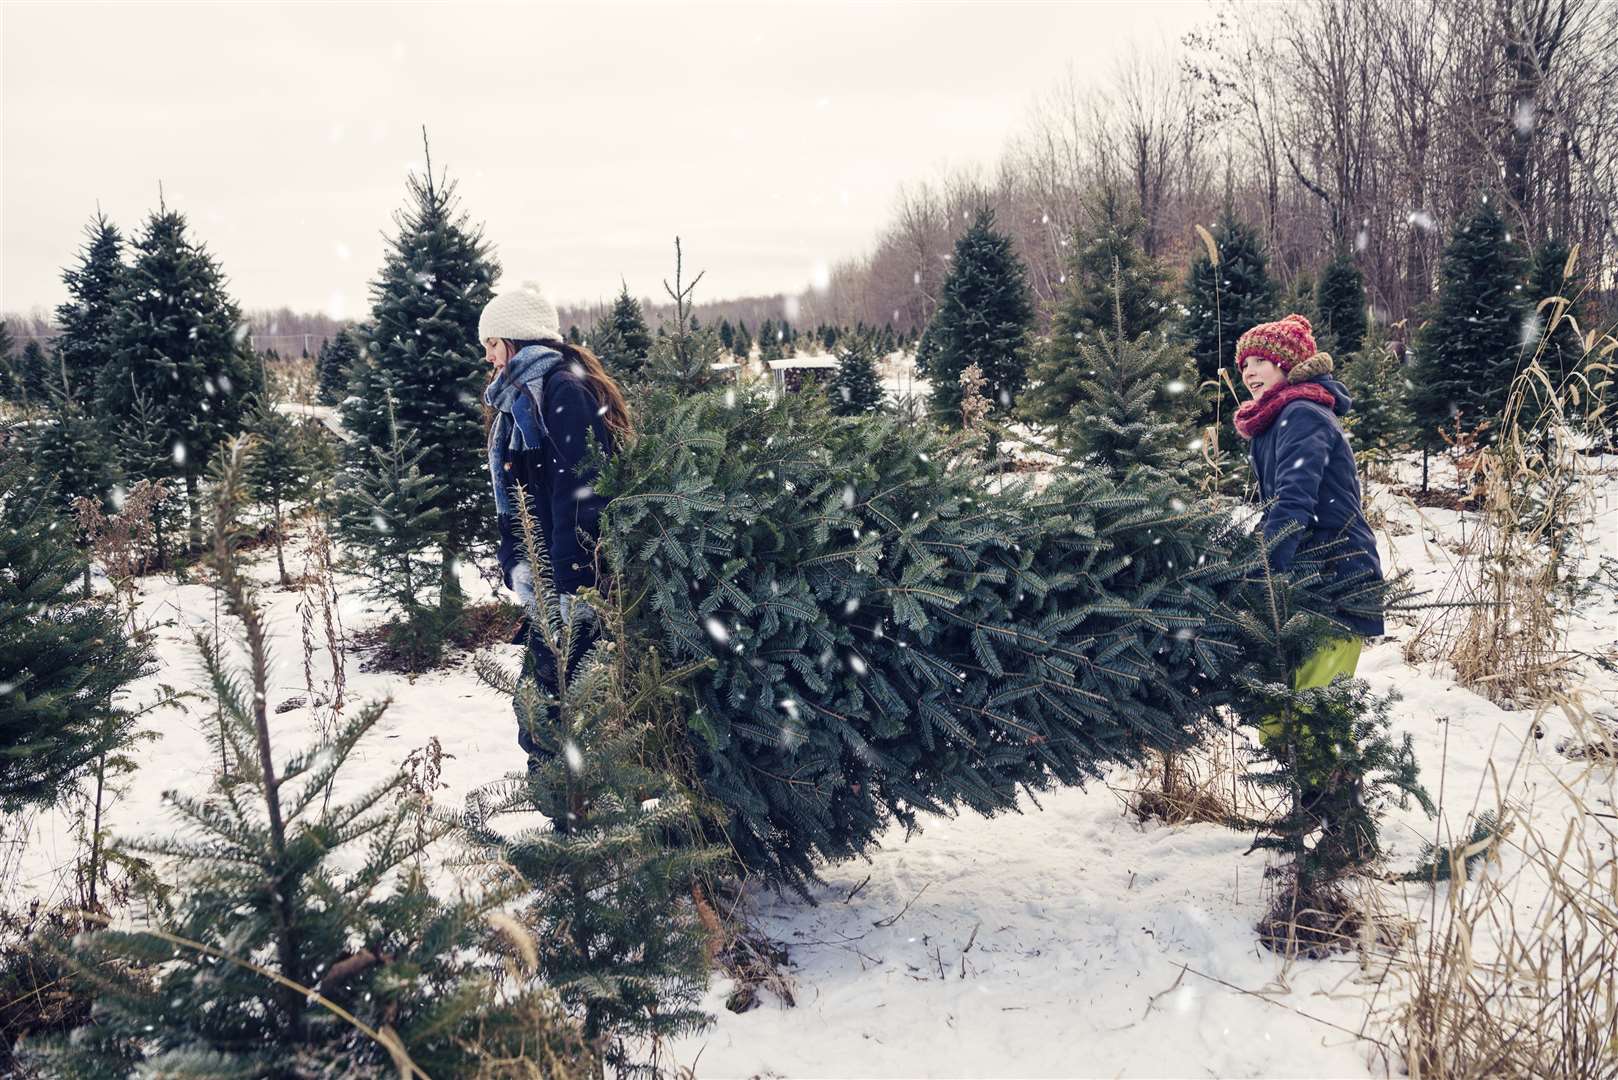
[[1306, 475], [559, 422]]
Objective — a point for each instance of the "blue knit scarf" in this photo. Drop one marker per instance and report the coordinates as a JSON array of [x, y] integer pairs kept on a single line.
[[526, 370]]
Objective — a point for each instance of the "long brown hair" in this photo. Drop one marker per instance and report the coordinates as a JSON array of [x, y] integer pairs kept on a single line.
[[603, 387]]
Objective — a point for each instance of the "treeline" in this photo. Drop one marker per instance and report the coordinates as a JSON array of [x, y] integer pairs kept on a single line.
[[1363, 128]]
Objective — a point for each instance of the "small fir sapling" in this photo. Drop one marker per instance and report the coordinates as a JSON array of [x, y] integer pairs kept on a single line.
[[336, 956], [1331, 755], [279, 470], [388, 513]]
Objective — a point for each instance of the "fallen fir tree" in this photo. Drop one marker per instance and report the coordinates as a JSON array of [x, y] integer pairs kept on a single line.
[[894, 630]]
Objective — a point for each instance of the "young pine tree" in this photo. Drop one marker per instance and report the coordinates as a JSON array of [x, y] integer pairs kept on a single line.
[[333, 366], [278, 470], [88, 320], [683, 359], [743, 346], [1552, 272], [423, 343], [1123, 413], [302, 939], [621, 339], [65, 660], [1339, 319], [177, 346], [770, 342], [1465, 357], [855, 388], [34, 370], [984, 315], [1088, 305], [75, 458], [621, 848], [1222, 302], [1380, 423], [389, 512], [1331, 757], [8, 371]]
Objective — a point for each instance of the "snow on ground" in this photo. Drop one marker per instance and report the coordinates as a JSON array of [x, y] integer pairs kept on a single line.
[[1068, 940]]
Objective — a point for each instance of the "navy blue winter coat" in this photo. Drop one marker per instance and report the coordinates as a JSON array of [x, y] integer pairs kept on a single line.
[[564, 504], [1306, 475]]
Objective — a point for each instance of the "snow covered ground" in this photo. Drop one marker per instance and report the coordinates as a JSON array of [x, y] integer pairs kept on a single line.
[[1068, 940]]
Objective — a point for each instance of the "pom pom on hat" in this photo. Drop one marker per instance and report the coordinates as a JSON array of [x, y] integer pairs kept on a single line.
[[520, 314], [1285, 343]]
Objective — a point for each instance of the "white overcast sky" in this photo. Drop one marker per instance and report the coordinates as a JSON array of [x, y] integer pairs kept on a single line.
[[772, 137]]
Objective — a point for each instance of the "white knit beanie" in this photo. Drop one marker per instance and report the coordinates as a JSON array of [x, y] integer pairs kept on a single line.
[[520, 314]]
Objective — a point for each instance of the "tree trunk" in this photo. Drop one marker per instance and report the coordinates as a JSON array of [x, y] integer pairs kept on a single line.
[[280, 558], [193, 499]]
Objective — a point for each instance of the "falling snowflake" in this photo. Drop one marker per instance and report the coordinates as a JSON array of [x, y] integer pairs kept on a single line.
[[575, 759], [716, 629]]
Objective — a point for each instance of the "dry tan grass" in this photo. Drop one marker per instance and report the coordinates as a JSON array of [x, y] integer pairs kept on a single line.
[[1516, 973]]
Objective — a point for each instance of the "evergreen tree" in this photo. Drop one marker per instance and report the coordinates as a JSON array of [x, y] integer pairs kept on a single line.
[[336, 958], [8, 375], [682, 361], [279, 469], [622, 340], [896, 631], [770, 346], [1332, 757], [1222, 303], [390, 513], [855, 389], [984, 315], [1121, 413], [333, 367], [1465, 357], [34, 375], [575, 336], [178, 343], [727, 335], [1550, 275], [1380, 422], [425, 303], [64, 661], [1090, 303], [73, 455], [88, 320], [1339, 319], [622, 845], [1302, 297], [744, 342], [145, 453], [1142, 283]]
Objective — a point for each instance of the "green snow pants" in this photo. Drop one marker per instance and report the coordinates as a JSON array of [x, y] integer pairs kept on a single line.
[[1338, 656]]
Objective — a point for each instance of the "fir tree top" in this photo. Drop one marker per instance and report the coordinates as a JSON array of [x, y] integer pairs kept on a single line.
[[89, 317], [435, 280]]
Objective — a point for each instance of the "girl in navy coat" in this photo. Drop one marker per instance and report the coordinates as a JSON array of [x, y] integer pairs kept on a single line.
[[1306, 473], [546, 402]]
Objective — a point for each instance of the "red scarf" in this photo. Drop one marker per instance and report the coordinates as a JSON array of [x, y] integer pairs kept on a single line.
[[1253, 418]]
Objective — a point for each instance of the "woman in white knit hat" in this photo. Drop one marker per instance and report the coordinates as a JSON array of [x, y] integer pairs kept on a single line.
[[546, 401]]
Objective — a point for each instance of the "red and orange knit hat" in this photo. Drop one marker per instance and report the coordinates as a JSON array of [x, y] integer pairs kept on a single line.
[[1285, 343]]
